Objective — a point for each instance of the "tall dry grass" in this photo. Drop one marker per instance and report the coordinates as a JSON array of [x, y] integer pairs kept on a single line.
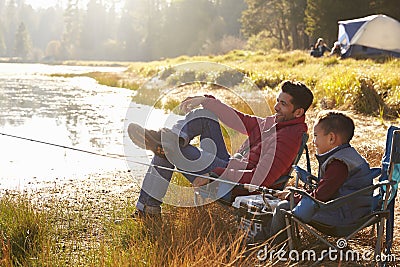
[[64, 236]]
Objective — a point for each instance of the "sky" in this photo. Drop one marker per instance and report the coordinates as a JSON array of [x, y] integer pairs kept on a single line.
[[36, 4]]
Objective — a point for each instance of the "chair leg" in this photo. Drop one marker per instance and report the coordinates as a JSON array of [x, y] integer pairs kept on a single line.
[[321, 239], [379, 238], [289, 232], [296, 233]]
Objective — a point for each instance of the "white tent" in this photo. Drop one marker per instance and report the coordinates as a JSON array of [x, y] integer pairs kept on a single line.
[[370, 36]]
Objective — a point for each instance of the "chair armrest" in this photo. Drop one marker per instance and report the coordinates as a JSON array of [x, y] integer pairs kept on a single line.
[[305, 176], [304, 193], [338, 202]]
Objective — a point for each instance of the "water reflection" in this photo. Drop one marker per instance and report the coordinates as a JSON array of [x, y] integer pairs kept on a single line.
[[86, 106], [73, 112]]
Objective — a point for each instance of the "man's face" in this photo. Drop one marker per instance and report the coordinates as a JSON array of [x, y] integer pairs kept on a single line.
[[284, 108]]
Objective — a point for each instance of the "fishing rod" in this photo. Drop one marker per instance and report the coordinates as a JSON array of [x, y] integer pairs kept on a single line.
[[212, 176]]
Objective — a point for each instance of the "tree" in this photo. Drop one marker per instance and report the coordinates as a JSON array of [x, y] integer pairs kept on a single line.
[[49, 27], [189, 25], [10, 28], [230, 11], [132, 31], [278, 19], [153, 25], [72, 29], [254, 18], [387, 7], [93, 34], [296, 23], [3, 48], [322, 16], [53, 50], [22, 42]]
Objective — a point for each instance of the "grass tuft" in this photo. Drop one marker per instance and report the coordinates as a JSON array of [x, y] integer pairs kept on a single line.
[[23, 231]]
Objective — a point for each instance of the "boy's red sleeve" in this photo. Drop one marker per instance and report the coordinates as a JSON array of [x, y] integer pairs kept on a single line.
[[336, 174]]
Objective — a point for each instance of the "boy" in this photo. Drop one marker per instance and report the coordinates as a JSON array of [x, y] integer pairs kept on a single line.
[[341, 171]]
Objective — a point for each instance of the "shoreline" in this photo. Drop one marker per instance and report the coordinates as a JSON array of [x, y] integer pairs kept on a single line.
[[99, 190]]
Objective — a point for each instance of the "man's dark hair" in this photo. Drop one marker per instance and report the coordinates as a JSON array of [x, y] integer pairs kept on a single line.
[[301, 94], [338, 123]]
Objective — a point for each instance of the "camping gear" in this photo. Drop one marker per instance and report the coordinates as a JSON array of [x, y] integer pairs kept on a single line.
[[371, 36], [254, 215]]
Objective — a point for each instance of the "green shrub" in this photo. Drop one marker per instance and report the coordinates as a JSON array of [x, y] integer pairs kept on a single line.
[[167, 72], [229, 78], [367, 100], [171, 104], [337, 89]]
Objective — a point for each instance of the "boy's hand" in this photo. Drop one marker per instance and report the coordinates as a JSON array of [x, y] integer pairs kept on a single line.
[[191, 102]]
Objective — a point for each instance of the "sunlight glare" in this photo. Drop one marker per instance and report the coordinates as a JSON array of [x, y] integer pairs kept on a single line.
[[36, 4]]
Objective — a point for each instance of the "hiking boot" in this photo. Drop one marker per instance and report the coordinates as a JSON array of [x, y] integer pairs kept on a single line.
[[146, 139], [152, 140]]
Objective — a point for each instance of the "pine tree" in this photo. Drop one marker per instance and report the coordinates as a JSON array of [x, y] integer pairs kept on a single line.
[[22, 42], [72, 29], [3, 47], [281, 20]]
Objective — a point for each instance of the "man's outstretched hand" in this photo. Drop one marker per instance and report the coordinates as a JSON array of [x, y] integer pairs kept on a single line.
[[191, 103], [282, 195]]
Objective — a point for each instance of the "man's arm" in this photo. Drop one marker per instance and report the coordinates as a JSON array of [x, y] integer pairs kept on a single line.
[[277, 160], [231, 117], [274, 161]]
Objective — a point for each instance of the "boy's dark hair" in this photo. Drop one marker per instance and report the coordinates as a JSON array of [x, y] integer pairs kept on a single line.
[[301, 94], [338, 123]]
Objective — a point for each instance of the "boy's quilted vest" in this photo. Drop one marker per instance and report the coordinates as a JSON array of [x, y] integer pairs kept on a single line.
[[360, 176]]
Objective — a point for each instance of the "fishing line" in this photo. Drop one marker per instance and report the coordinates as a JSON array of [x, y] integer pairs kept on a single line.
[[123, 157]]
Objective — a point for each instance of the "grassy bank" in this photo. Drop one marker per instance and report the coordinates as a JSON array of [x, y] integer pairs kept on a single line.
[[367, 86]]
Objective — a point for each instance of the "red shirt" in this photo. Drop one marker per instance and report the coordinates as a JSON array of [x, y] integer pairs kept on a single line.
[[336, 174], [272, 146]]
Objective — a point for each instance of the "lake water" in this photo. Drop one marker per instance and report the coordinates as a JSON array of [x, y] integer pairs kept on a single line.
[[74, 112]]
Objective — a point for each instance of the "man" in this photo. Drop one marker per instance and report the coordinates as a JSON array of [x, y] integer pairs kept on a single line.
[[267, 154]]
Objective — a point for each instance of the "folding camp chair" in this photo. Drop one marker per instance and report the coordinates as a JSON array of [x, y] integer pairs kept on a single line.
[[217, 190], [382, 206]]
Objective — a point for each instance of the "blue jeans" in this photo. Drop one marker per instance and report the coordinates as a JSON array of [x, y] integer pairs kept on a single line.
[[212, 153]]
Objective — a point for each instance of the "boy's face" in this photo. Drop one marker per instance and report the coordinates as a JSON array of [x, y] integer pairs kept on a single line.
[[285, 109], [322, 142]]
